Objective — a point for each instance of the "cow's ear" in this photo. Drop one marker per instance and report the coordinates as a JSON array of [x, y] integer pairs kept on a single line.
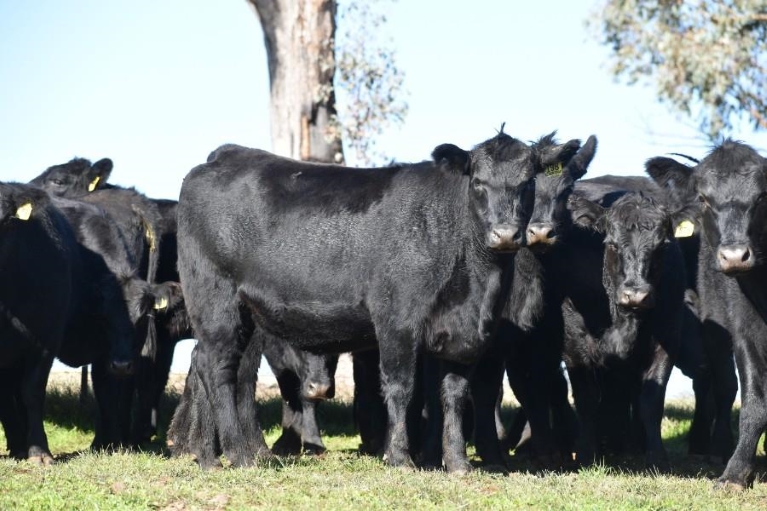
[[552, 159], [99, 174], [580, 162], [586, 213], [673, 177], [452, 157]]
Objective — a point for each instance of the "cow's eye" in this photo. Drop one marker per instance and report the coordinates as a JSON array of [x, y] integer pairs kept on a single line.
[[761, 197], [703, 201]]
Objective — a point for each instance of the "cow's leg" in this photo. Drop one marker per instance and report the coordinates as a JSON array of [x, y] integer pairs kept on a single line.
[[455, 395], [33, 399], [486, 385], [202, 438], [151, 387], [13, 416], [563, 420], [397, 355], [586, 394], [106, 426], [247, 375], [651, 399], [292, 415], [369, 406], [310, 431], [753, 421], [725, 388], [702, 420], [427, 402]]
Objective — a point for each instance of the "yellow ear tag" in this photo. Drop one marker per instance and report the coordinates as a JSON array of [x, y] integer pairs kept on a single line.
[[685, 229], [161, 303], [24, 211], [94, 183], [553, 170]]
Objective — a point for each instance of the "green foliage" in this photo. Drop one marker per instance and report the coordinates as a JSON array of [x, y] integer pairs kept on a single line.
[[369, 85], [706, 58]]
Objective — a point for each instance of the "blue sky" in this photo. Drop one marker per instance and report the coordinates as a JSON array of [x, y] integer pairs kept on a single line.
[[157, 85]]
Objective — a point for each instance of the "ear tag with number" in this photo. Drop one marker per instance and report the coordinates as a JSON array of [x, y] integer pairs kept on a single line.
[[553, 170]]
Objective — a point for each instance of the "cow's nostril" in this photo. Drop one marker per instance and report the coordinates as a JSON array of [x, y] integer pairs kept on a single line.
[[122, 368]]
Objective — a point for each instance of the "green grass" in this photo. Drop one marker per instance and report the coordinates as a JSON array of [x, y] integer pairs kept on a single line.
[[340, 479]]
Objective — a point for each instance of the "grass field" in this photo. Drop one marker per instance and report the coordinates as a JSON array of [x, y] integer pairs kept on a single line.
[[340, 479]]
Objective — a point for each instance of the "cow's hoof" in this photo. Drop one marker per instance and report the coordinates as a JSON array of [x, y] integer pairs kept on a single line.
[[285, 446], [42, 460], [495, 468], [727, 485], [402, 461], [208, 463], [458, 467], [313, 449]]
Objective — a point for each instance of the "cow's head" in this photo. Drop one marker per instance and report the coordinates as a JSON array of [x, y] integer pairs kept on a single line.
[[19, 202], [728, 190], [501, 185], [553, 186], [732, 186], [74, 178], [637, 231], [312, 374]]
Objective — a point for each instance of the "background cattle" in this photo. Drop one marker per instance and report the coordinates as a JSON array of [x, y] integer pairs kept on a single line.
[[623, 309], [411, 257], [39, 273], [114, 316], [530, 335], [728, 188], [304, 377]]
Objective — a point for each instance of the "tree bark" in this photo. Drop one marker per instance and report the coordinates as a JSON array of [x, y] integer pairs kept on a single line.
[[299, 38]]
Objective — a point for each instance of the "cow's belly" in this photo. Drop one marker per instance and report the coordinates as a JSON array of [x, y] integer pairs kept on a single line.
[[319, 325]]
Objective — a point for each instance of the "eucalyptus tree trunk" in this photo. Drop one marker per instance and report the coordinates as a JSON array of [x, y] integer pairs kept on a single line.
[[300, 43]]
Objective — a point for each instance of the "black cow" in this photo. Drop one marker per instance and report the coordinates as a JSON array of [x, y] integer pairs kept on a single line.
[[717, 384], [79, 179], [411, 257], [56, 296], [729, 186], [623, 312], [116, 312], [530, 334], [704, 356], [40, 267]]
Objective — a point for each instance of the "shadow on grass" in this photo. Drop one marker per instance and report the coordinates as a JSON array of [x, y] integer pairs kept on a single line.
[[63, 408]]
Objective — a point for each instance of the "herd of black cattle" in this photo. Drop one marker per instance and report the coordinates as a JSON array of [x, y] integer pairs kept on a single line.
[[438, 277]]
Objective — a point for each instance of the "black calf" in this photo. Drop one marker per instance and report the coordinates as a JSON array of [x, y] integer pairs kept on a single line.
[[409, 257]]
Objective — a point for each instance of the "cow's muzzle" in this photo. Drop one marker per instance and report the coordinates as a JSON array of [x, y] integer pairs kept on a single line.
[[635, 298], [734, 259], [316, 391], [504, 238], [540, 235]]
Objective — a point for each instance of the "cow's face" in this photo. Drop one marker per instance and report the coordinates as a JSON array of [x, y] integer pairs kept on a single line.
[[553, 186], [501, 186], [318, 375], [636, 231], [732, 187], [74, 178]]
